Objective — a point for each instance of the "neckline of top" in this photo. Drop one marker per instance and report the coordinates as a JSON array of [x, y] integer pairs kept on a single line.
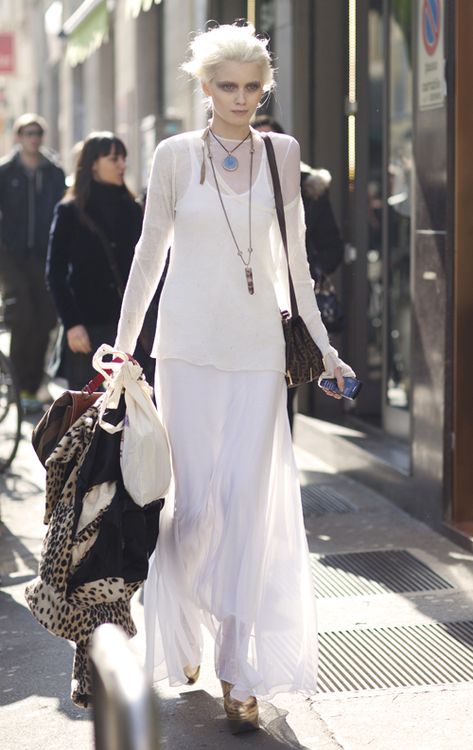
[[256, 135], [228, 187]]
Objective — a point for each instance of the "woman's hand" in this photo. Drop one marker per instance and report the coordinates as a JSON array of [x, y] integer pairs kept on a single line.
[[339, 378], [78, 340]]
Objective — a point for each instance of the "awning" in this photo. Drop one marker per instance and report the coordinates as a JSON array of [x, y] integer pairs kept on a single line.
[[86, 30], [134, 7]]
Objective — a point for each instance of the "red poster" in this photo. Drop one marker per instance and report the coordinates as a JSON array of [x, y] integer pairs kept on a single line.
[[7, 53]]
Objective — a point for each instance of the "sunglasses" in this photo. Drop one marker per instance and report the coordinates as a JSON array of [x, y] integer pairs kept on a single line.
[[32, 133]]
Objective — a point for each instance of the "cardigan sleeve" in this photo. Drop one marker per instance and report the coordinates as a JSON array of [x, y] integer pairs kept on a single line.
[[57, 266], [302, 280], [151, 251]]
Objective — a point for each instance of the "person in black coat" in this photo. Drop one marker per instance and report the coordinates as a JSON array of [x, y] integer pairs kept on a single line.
[[324, 243], [91, 246], [31, 184]]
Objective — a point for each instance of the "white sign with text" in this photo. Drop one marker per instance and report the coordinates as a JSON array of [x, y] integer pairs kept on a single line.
[[431, 66]]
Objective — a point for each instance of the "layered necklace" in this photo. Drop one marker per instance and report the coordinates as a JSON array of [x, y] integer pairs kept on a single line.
[[245, 260]]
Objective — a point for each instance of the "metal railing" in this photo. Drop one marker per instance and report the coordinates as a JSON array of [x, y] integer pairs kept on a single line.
[[125, 713]]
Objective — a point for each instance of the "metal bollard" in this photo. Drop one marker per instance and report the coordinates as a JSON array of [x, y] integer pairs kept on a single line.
[[124, 708]]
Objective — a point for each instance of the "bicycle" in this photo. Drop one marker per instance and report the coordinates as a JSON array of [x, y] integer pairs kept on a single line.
[[11, 412]]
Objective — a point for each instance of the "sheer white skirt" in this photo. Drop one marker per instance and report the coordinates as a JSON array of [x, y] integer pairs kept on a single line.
[[232, 552]]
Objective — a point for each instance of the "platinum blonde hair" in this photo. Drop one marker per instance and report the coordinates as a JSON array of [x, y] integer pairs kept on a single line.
[[229, 42]]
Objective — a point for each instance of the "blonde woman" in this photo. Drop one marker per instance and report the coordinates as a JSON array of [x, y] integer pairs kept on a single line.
[[232, 553]]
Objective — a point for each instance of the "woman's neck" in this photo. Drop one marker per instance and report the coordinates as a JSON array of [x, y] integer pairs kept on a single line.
[[223, 129]]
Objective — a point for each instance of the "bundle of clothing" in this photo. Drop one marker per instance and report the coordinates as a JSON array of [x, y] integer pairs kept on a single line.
[[96, 549]]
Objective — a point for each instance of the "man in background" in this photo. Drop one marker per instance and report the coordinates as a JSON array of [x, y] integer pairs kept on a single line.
[[30, 186]]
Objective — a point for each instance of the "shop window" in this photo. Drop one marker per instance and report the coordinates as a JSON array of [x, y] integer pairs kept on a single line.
[[399, 204]]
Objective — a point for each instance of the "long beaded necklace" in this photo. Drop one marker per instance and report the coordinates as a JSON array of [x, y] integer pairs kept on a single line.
[[230, 163], [247, 262]]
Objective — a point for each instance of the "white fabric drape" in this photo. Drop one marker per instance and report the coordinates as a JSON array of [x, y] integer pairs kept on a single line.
[[232, 553]]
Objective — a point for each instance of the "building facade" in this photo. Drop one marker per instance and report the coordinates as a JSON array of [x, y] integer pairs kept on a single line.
[[377, 92]]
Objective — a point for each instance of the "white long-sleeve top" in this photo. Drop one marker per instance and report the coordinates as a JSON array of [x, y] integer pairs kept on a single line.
[[206, 314]]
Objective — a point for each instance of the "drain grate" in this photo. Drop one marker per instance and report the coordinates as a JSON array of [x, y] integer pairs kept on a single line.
[[404, 656], [378, 572], [320, 499]]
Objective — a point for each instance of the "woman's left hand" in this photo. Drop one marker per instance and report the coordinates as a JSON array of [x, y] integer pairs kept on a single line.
[[340, 382]]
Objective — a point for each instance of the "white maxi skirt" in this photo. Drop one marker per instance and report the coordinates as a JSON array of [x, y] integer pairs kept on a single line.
[[232, 552]]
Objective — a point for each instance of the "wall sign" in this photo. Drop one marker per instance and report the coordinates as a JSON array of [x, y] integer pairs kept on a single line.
[[7, 53], [432, 88]]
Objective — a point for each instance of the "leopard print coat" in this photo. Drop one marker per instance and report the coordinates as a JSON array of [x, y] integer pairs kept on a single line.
[[72, 595]]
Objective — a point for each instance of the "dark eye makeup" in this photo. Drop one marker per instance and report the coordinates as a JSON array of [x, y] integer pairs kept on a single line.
[[230, 86]]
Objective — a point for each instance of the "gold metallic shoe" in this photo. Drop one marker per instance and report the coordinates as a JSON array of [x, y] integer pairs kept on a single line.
[[192, 674], [242, 715]]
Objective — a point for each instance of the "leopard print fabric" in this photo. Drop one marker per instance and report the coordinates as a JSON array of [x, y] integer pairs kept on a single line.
[[75, 615]]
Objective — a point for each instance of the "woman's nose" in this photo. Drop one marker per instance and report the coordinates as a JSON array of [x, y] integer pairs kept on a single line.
[[241, 99]]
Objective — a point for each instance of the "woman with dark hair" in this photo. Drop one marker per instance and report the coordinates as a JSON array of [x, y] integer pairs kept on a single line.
[[92, 240]]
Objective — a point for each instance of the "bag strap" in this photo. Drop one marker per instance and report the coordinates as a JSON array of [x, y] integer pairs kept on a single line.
[[281, 216], [94, 384], [112, 262]]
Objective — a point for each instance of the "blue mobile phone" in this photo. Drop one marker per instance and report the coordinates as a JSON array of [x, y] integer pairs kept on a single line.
[[352, 386]]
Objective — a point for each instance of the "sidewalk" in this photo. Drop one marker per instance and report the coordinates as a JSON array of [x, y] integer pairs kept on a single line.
[[396, 635]]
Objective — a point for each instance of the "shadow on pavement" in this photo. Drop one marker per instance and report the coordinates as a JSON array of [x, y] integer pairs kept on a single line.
[[197, 719], [12, 551], [17, 486], [33, 662]]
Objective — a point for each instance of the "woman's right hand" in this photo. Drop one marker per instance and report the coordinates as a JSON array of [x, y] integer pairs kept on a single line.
[[78, 340]]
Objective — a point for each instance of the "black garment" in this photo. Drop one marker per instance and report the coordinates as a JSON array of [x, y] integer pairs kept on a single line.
[[27, 200], [128, 533], [324, 243], [77, 270], [31, 317], [79, 275]]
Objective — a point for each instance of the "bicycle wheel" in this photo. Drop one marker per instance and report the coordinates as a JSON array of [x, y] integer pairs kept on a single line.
[[10, 414]]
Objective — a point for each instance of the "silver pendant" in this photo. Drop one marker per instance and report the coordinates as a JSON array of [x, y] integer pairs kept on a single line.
[[230, 163], [249, 279]]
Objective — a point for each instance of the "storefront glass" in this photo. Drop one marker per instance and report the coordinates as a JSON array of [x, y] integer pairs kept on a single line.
[[376, 74], [399, 204]]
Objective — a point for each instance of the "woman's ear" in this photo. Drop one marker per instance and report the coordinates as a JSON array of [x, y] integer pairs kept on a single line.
[[205, 88]]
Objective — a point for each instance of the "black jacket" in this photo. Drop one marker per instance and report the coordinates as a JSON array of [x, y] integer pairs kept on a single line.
[[324, 243], [78, 273], [27, 200]]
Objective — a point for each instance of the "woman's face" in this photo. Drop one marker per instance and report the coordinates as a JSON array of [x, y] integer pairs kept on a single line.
[[235, 92], [110, 168]]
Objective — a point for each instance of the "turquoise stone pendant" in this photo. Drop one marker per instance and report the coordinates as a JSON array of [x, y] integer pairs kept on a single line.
[[230, 163]]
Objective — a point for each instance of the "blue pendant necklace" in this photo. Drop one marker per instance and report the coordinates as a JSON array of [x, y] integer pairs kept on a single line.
[[230, 163]]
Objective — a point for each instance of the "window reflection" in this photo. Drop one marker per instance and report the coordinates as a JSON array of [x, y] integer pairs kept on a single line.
[[376, 72], [399, 204]]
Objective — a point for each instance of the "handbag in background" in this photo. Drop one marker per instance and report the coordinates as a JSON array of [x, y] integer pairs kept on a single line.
[[329, 305]]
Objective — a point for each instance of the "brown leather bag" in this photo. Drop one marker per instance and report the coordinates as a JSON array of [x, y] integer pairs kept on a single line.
[[60, 417]]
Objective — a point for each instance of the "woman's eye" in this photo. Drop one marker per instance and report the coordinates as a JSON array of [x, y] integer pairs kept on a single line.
[[253, 86]]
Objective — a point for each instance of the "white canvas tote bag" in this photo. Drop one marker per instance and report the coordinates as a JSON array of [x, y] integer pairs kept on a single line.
[[145, 458]]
